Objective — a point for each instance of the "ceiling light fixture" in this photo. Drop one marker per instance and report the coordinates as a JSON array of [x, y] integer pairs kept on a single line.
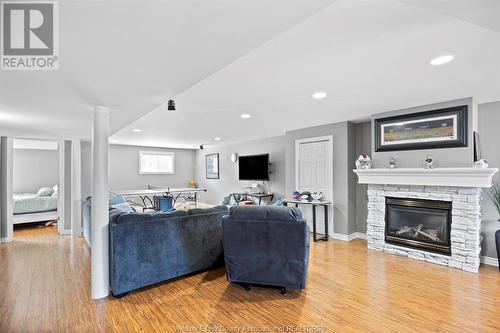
[[441, 60], [137, 130], [245, 116], [319, 95], [217, 139], [171, 105]]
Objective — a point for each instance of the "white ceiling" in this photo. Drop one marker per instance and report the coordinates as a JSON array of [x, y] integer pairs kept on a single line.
[[134, 55], [369, 56], [219, 59]]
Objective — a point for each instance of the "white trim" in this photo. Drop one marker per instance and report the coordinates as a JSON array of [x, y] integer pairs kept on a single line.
[[76, 209], [65, 232], [5, 239], [60, 188], [489, 261], [460, 177], [348, 238], [328, 138]]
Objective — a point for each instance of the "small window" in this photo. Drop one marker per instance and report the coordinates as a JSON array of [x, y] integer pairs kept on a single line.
[[156, 162]]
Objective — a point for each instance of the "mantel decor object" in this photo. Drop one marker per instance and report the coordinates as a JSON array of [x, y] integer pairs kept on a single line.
[[364, 162], [428, 162], [443, 128]]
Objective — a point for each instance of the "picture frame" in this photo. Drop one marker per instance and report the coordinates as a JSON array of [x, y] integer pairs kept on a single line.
[[212, 166], [477, 147], [442, 128]]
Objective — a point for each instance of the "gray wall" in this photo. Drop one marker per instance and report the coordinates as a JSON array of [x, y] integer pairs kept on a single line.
[[6, 203], [344, 213], [448, 157], [363, 142], [124, 168], [228, 181], [35, 168], [489, 134]]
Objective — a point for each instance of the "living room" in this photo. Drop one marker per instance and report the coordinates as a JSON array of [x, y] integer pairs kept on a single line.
[[250, 166]]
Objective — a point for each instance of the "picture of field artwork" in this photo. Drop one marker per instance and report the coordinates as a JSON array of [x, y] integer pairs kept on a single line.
[[422, 130]]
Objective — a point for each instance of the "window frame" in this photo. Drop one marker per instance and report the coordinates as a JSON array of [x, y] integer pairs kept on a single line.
[[161, 153]]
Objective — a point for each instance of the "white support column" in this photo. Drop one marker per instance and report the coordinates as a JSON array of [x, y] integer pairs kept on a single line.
[[76, 189], [6, 176], [100, 204]]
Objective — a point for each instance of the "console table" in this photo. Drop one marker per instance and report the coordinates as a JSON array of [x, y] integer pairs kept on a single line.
[[314, 203], [258, 196]]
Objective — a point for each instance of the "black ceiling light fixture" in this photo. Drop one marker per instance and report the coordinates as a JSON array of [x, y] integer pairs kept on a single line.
[[171, 105]]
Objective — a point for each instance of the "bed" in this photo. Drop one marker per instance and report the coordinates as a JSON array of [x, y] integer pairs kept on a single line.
[[29, 207]]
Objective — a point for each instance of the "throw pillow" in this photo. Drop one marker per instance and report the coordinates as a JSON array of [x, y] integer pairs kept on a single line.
[[45, 192]]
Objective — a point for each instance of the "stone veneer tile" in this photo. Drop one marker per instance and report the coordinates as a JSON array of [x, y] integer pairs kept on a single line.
[[465, 225]]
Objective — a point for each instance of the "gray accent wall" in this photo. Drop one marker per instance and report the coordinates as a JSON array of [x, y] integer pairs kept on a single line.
[[228, 181], [363, 141], [489, 135], [34, 169], [446, 157], [124, 168], [343, 182]]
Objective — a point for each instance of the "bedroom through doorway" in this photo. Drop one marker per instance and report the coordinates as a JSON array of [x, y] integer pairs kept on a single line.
[[35, 185]]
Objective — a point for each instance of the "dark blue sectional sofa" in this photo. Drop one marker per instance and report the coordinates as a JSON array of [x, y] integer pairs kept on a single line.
[[146, 249], [266, 245]]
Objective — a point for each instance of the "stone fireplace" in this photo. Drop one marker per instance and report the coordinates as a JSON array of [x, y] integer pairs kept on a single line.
[[431, 215], [418, 223]]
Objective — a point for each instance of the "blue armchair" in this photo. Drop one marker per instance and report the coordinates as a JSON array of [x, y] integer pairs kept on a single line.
[[266, 245]]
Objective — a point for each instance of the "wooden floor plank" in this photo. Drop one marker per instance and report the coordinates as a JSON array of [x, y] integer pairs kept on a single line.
[[45, 287]]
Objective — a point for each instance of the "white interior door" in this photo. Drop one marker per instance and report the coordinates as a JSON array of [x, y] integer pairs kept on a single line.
[[314, 174]]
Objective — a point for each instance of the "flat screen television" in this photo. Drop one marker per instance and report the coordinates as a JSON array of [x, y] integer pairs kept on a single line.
[[254, 167]]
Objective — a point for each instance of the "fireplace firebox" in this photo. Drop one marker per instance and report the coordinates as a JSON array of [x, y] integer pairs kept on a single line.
[[418, 223]]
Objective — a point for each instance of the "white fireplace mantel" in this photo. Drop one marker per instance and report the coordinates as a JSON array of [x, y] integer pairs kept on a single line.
[[460, 177]]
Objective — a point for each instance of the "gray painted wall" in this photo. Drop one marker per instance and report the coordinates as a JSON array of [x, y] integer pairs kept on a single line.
[[228, 181], [35, 168], [448, 157], [6, 203], [124, 168], [363, 142], [489, 135], [344, 209]]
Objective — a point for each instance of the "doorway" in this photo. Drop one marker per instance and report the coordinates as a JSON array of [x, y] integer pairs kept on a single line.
[[314, 173]]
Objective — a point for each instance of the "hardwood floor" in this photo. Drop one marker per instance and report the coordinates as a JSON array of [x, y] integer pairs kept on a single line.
[[44, 287]]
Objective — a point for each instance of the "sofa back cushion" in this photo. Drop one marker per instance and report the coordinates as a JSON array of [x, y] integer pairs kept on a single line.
[[275, 213], [146, 217], [199, 211]]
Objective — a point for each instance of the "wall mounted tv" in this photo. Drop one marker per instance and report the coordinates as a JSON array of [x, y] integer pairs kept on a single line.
[[254, 167]]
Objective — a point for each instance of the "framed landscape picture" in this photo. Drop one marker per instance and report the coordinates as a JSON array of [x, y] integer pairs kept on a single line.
[[443, 128], [212, 166]]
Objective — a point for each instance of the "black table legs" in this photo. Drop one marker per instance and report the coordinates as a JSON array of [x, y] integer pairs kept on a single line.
[[325, 237]]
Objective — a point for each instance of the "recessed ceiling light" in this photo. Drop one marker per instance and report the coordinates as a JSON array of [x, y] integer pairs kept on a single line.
[[441, 60], [137, 130], [245, 116], [319, 95], [217, 139]]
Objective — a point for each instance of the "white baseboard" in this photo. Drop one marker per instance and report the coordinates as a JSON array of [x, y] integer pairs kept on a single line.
[[5, 239], [347, 238], [489, 261], [65, 232]]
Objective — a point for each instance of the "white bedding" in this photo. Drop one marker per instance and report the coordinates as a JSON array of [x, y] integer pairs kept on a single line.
[[25, 203]]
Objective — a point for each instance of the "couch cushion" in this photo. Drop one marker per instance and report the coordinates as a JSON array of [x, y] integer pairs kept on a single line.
[[200, 211], [115, 213], [265, 213], [116, 199]]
